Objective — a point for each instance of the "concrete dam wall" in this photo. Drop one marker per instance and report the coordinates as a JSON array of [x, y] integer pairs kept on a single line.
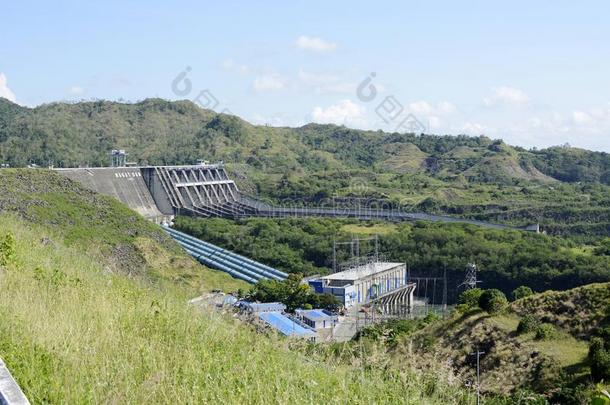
[[126, 184], [205, 190]]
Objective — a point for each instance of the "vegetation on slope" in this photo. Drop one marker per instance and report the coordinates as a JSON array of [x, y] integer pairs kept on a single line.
[[578, 311], [565, 189], [70, 332], [506, 259], [537, 344], [108, 230]]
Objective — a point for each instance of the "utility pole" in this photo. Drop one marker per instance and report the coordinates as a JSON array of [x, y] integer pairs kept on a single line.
[[334, 255], [478, 353], [445, 291], [376, 247]]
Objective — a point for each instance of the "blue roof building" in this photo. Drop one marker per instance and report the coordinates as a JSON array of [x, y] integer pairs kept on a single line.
[[286, 326], [259, 307], [317, 318]]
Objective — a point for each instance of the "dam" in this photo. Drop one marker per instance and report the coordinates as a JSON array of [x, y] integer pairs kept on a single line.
[[206, 190], [160, 192]]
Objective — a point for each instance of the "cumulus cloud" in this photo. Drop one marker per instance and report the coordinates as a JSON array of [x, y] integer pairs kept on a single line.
[[473, 128], [346, 112], [426, 108], [76, 91], [5, 92], [582, 118], [324, 82], [269, 82], [315, 44], [232, 66], [505, 95]]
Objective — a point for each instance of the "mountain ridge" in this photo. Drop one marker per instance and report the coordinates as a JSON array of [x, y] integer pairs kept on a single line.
[[474, 177]]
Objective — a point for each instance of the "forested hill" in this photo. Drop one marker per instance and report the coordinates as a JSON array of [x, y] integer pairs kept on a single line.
[[566, 189], [156, 131]]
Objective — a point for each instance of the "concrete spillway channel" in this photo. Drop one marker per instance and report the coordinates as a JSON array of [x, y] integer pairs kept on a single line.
[[222, 259]]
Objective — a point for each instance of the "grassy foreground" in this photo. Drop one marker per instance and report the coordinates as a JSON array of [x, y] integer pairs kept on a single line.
[[72, 332]]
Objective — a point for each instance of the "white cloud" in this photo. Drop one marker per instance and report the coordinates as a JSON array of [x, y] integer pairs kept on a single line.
[[76, 91], [506, 95], [421, 107], [315, 44], [473, 128], [434, 122], [5, 92], [425, 108], [446, 107], [346, 112], [232, 66], [325, 83], [582, 118], [269, 82]]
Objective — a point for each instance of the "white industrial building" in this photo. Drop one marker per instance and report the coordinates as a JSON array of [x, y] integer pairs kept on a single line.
[[369, 282]]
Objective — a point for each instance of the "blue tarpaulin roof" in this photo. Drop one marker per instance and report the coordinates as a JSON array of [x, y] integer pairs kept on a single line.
[[314, 314], [284, 324]]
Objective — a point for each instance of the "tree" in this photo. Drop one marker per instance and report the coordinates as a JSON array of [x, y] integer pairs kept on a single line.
[[545, 331], [599, 356], [603, 248], [527, 324], [292, 293], [470, 298], [327, 301], [522, 292], [492, 300]]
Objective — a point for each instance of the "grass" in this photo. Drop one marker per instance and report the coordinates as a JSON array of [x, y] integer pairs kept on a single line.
[[370, 229], [567, 350], [71, 332], [564, 348], [506, 322]]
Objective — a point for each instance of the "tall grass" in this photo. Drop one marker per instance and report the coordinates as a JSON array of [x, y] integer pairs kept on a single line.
[[72, 333]]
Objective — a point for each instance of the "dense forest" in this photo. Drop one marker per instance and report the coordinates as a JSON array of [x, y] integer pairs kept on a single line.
[[565, 189], [506, 259]]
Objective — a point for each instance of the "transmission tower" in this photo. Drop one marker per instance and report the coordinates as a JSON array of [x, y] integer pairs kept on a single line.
[[470, 281], [355, 244]]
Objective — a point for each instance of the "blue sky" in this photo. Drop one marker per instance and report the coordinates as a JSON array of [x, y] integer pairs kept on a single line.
[[532, 73]]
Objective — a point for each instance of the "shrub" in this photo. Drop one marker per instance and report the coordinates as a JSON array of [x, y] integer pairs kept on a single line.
[[7, 249], [492, 300], [601, 396], [527, 324], [522, 292], [599, 358], [470, 298], [545, 331]]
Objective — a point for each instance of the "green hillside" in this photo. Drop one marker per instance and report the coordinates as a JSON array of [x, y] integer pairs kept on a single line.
[[565, 189], [75, 330], [518, 364], [109, 231]]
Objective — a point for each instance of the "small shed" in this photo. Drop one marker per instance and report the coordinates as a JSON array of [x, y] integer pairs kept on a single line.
[[260, 307], [317, 318]]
